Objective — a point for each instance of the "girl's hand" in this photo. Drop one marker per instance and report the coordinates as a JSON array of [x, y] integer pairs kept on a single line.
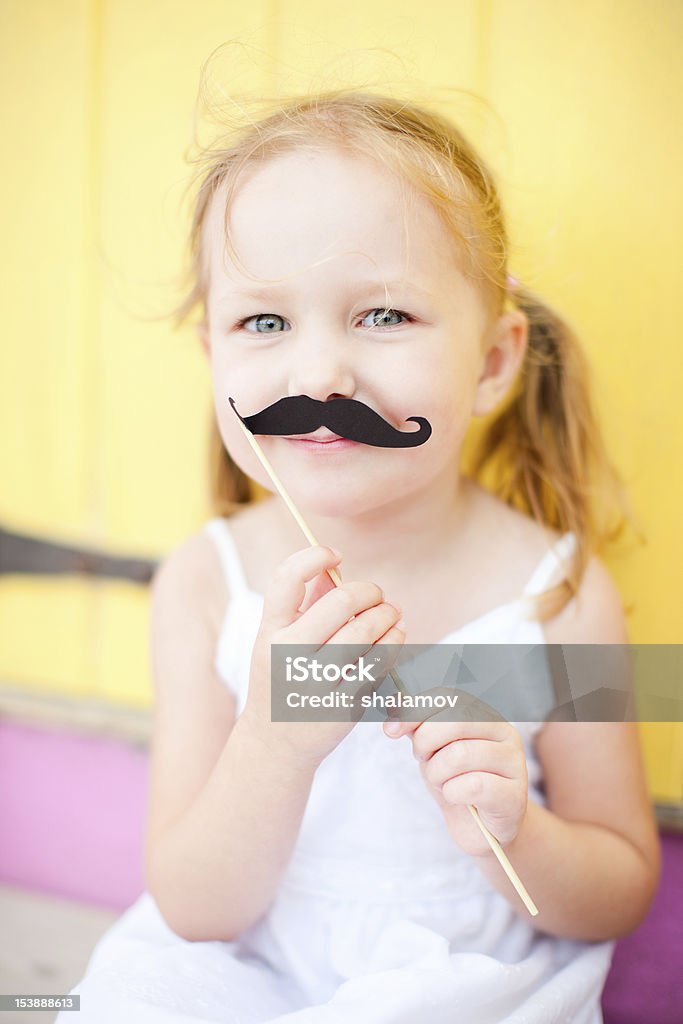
[[479, 763], [318, 614]]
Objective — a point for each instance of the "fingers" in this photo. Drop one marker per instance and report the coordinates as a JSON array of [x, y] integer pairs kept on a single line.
[[333, 610], [354, 613], [471, 755], [429, 735], [501, 801], [387, 649], [287, 588], [477, 788], [384, 650], [371, 626], [400, 720]]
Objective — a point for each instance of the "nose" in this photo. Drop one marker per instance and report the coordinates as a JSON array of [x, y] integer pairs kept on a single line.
[[319, 365]]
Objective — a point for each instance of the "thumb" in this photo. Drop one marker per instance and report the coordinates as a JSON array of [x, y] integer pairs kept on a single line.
[[394, 725]]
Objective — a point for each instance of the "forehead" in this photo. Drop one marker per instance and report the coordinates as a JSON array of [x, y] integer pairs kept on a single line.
[[325, 207]]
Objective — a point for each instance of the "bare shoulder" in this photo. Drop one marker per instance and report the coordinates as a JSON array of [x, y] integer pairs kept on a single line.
[[595, 615], [193, 569], [188, 598], [195, 565]]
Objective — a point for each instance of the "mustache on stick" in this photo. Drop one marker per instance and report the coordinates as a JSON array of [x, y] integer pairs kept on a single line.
[[299, 414]]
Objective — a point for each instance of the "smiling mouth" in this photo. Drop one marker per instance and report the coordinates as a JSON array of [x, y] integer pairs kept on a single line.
[[321, 443], [319, 436]]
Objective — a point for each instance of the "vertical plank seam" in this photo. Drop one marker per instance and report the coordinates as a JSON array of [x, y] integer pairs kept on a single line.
[[483, 32], [92, 340], [272, 11]]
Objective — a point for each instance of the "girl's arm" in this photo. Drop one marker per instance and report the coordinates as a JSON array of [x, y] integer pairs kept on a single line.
[[228, 797], [591, 859], [223, 818]]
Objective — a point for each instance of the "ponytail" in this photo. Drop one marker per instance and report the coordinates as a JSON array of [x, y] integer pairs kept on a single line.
[[546, 451]]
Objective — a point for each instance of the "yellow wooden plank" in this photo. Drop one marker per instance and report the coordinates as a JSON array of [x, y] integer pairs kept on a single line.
[[591, 181], [101, 413], [43, 68], [44, 624]]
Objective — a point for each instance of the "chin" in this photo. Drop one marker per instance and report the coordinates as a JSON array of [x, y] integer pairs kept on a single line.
[[337, 500], [329, 501]]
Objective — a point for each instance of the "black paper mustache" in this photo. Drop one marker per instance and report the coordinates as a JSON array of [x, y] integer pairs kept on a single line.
[[299, 414]]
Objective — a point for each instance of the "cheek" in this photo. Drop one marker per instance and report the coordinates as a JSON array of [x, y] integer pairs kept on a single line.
[[446, 401], [240, 451], [232, 374], [454, 413], [247, 398]]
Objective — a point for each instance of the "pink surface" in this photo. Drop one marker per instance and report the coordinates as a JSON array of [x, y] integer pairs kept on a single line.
[[644, 985], [72, 812]]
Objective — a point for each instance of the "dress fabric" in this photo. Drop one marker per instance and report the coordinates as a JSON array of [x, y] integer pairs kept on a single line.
[[379, 917]]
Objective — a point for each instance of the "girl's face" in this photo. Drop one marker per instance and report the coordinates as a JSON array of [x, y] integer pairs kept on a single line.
[[332, 224]]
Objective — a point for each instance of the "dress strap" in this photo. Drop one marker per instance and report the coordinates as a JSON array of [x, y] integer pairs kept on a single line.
[[553, 565], [228, 554]]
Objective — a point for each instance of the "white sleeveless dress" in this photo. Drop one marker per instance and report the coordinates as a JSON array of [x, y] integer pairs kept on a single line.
[[379, 917]]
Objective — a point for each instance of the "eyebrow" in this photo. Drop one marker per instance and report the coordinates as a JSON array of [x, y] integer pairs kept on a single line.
[[282, 291]]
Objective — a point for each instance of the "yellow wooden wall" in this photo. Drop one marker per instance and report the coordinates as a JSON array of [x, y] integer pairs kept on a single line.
[[104, 411]]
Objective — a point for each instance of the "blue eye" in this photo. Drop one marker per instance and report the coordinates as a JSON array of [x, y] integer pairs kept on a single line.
[[384, 318], [271, 323]]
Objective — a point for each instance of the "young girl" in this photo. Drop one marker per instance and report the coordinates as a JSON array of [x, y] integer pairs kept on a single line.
[[352, 246]]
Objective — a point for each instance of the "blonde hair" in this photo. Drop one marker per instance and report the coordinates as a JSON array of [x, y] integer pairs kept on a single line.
[[544, 452]]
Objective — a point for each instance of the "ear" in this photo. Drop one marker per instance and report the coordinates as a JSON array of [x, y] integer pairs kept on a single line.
[[505, 348], [203, 332]]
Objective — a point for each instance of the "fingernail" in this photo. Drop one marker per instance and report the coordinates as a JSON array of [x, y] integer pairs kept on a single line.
[[401, 625], [335, 552], [392, 728]]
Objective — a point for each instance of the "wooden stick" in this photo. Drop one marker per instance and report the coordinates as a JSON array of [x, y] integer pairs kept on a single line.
[[505, 863], [398, 682]]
